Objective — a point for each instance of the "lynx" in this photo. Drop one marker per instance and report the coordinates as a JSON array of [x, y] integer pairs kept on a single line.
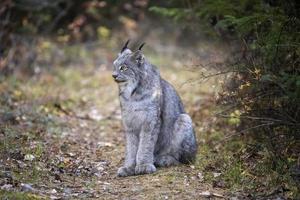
[[158, 131]]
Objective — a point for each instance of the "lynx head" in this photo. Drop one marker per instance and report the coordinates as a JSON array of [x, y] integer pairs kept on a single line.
[[128, 66]]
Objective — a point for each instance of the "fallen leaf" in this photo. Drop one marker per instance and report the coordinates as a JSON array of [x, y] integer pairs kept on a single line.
[[216, 175], [29, 157], [210, 194]]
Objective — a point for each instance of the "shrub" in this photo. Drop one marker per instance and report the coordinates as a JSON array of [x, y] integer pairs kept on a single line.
[[265, 84]]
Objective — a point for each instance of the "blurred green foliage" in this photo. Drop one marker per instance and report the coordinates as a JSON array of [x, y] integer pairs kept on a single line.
[[23, 22]]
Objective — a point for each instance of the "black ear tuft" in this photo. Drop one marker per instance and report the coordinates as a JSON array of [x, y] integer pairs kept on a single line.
[[125, 46], [140, 48]]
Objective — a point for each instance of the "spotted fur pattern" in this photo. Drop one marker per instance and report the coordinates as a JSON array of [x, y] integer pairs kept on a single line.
[[158, 131]]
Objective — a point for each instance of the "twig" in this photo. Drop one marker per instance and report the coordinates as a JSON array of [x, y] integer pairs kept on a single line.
[[247, 129], [205, 77], [279, 37], [261, 118]]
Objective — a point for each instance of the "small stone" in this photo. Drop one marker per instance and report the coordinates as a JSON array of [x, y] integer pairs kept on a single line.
[[53, 191], [104, 144], [67, 191], [205, 194], [26, 187]]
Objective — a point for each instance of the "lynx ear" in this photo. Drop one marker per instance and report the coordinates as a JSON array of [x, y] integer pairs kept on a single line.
[[138, 57], [125, 46], [140, 48]]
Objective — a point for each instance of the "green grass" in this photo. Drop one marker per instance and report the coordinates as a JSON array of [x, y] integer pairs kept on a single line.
[[12, 195]]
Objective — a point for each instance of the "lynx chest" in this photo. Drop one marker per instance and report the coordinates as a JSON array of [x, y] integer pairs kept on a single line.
[[137, 113]]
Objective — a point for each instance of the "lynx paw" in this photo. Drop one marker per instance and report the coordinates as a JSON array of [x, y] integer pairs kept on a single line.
[[125, 171], [145, 169], [165, 161]]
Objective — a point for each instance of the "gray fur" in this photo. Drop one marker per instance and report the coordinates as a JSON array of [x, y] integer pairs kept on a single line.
[[158, 131]]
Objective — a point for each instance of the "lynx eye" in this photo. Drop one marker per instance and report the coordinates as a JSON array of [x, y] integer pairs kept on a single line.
[[123, 68]]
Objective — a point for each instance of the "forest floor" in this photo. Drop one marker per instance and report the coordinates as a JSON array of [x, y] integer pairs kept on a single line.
[[62, 138]]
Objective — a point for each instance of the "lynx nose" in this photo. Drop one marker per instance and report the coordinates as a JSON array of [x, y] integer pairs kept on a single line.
[[114, 75]]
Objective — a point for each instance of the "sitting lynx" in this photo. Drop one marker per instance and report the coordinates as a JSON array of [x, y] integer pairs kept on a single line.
[[158, 131]]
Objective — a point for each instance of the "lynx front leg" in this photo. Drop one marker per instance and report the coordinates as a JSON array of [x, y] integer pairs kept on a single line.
[[145, 154], [130, 159]]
